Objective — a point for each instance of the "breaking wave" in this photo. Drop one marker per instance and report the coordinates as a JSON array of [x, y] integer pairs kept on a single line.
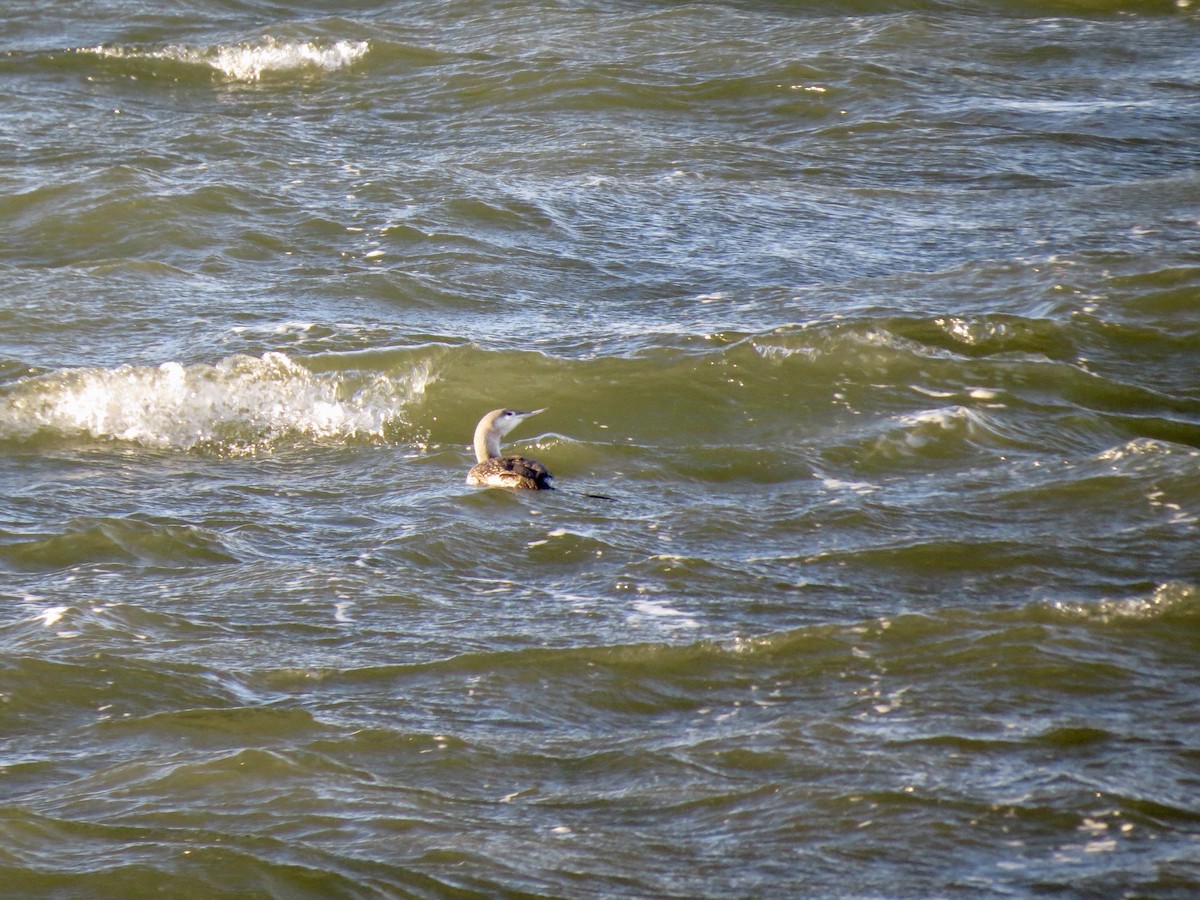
[[250, 61], [241, 404]]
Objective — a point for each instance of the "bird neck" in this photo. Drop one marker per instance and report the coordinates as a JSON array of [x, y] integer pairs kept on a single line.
[[487, 444]]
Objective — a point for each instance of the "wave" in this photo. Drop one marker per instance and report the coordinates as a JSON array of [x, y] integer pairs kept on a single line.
[[861, 389], [240, 405], [247, 61], [1172, 601], [119, 541], [867, 391], [999, 646]]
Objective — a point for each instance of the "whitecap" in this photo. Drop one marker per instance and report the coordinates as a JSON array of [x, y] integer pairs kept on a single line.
[[250, 61], [662, 614], [836, 485], [240, 404], [1144, 449], [1167, 599]]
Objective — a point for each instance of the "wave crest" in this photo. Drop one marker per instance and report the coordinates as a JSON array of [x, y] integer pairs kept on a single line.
[[250, 61], [241, 404], [1174, 600]]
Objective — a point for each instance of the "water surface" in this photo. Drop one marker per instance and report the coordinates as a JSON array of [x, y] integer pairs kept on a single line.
[[879, 322]]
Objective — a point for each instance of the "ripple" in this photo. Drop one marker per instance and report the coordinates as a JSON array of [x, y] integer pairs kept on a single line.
[[121, 542]]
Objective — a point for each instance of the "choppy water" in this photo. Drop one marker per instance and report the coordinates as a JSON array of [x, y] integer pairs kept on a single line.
[[879, 321]]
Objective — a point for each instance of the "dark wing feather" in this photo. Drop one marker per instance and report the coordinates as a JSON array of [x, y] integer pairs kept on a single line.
[[530, 473]]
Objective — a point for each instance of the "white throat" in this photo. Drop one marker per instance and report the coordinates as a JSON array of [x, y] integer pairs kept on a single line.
[[487, 444], [494, 426]]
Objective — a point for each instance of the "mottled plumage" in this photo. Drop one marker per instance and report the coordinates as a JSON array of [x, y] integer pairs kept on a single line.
[[494, 470], [511, 472]]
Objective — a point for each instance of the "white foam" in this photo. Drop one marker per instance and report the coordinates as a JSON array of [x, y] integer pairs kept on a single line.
[[664, 615], [858, 487], [250, 61], [1145, 448], [240, 404], [945, 418], [1167, 599]]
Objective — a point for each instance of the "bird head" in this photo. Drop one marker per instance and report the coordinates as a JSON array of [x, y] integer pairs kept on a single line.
[[505, 420]]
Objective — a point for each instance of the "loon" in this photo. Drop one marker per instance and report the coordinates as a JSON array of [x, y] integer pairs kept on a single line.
[[494, 470]]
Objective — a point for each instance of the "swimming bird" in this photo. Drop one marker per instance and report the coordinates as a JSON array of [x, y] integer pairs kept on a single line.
[[494, 470]]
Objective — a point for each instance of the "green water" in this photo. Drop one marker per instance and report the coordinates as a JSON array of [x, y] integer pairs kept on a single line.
[[879, 324]]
